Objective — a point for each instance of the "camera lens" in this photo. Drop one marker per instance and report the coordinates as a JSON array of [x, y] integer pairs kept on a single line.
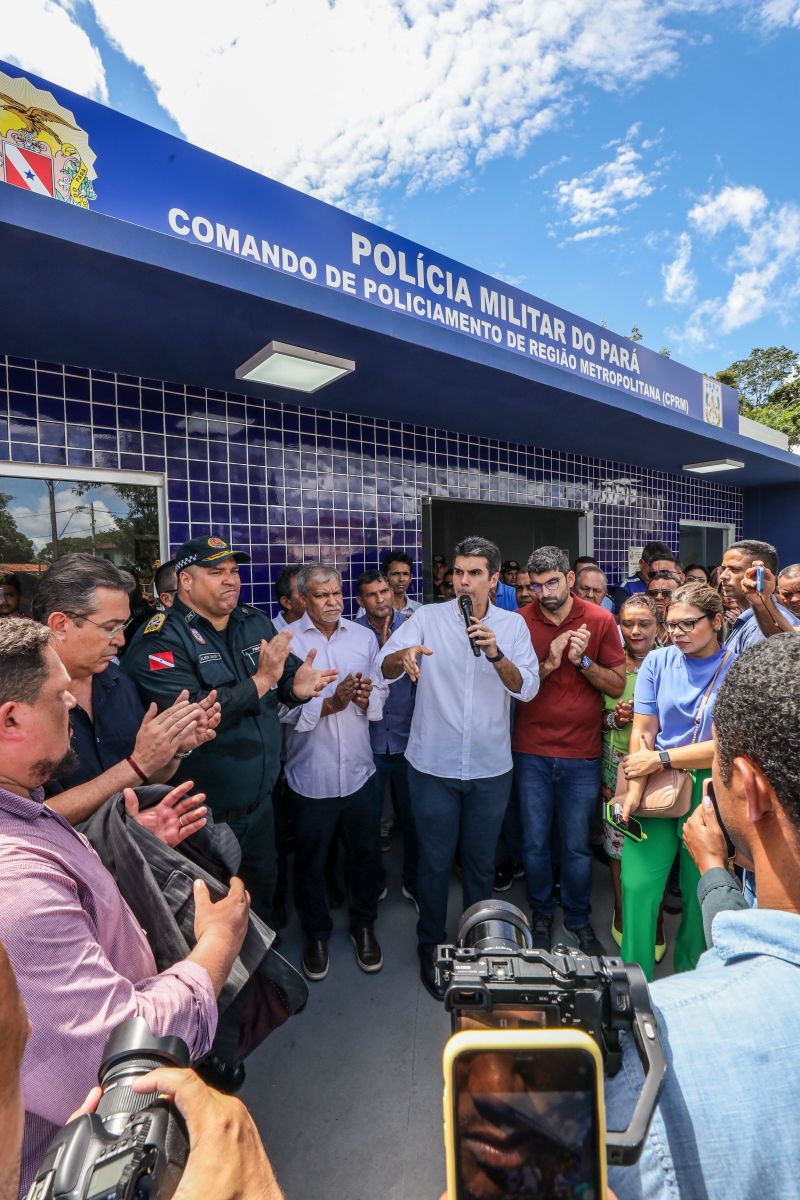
[[494, 925], [131, 1051]]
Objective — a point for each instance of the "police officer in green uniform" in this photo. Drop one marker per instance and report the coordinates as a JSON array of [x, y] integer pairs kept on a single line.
[[208, 641]]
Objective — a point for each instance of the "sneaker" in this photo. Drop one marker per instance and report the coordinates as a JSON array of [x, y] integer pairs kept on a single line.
[[409, 896], [588, 942], [504, 875], [519, 870], [387, 829], [383, 895], [542, 930]]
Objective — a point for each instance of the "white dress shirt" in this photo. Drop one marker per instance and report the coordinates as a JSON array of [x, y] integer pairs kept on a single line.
[[332, 756], [461, 727], [280, 622]]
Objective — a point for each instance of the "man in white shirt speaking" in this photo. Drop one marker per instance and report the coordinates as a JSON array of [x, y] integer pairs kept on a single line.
[[330, 769], [459, 748]]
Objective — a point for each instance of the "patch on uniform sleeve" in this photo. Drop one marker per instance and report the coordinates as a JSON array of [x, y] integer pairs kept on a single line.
[[155, 623], [162, 661]]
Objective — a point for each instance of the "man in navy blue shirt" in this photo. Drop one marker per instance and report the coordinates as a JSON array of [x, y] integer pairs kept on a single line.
[[760, 615], [84, 601], [389, 736]]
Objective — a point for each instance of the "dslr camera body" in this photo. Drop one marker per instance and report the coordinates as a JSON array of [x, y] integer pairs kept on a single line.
[[135, 1146], [494, 978]]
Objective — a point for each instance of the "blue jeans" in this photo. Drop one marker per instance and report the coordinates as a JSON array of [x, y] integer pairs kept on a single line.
[[393, 768], [442, 808], [568, 787]]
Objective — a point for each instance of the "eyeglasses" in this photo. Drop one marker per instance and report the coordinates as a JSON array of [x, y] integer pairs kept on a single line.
[[549, 585], [115, 629], [660, 591], [685, 626]]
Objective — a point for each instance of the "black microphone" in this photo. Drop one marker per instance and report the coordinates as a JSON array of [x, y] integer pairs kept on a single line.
[[465, 604]]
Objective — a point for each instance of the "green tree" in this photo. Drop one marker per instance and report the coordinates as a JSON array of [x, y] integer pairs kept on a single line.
[[636, 334], [14, 545], [768, 383]]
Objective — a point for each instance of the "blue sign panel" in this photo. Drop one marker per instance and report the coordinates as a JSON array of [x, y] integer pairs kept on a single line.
[[55, 143]]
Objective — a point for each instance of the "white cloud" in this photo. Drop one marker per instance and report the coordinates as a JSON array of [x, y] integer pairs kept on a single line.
[[731, 206], [679, 279], [346, 99], [606, 190], [762, 268], [548, 166], [596, 232], [43, 36], [777, 14]]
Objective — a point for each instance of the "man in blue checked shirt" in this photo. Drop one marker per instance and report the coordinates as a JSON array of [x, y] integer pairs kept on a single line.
[[459, 748], [389, 736], [726, 1120]]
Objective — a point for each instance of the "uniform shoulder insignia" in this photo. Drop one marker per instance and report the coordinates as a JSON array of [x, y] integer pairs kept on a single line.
[[155, 623]]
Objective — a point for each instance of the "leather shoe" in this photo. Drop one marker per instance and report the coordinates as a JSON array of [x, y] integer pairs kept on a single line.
[[315, 959], [225, 1077], [369, 955], [428, 975]]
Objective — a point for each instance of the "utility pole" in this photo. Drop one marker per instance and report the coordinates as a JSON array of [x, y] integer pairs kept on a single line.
[[94, 528], [51, 492]]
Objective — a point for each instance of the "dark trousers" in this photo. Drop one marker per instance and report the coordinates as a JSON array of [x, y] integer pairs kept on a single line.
[[315, 823], [256, 836], [442, 808], [567, 789], [511, 833], [393, 769]]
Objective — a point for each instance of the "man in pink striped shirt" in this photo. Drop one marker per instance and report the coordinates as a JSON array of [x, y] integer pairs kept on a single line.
[[82, 962]]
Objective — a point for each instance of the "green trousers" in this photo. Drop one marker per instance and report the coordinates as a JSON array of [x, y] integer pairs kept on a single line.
[[645, 870]]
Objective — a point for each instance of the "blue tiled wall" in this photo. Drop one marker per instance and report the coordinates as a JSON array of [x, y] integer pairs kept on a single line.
[[291, 484]]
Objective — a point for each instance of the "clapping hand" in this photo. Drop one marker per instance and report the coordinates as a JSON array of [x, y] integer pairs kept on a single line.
[[578, 641], [309, 682], [174, 818]]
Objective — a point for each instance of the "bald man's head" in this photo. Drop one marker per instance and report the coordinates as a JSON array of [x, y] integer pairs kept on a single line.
[[14, 1029]]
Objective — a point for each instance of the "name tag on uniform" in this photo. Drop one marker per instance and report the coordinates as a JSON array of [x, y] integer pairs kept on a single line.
[[251, 654], [212, 656]]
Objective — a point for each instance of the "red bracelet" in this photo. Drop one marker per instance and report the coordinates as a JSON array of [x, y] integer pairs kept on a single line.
[[131, 763]]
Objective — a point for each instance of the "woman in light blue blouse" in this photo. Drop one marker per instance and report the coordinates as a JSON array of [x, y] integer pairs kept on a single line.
[[672, 707]]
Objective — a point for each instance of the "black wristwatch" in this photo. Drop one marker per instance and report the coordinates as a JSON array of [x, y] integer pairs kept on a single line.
[[497, 656], [665, 759]]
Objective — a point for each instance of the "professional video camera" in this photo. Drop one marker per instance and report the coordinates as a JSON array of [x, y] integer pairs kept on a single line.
[[495, 978], [135, 1146]]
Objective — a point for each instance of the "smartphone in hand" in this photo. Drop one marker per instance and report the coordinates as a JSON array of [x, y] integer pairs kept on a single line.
[[630, 828]]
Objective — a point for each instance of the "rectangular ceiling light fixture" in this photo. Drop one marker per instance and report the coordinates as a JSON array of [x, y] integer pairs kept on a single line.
[[281, 365], [715, 464]]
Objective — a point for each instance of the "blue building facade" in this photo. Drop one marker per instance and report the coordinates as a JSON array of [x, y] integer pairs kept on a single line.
[[291, 484]]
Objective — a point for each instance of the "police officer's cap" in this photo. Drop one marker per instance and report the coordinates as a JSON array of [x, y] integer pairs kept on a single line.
[[205, 552]]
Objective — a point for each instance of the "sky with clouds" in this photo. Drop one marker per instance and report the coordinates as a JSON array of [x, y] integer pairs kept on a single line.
[[631, 161]]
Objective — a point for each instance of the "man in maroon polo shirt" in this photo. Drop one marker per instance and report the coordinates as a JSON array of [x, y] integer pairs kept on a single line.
[[557, 743]]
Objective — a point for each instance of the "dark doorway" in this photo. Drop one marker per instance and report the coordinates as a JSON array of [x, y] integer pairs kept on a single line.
[[516, 528], [704, 544]]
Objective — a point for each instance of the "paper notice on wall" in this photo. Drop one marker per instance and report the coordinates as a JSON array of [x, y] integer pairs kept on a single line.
[[634, 554]]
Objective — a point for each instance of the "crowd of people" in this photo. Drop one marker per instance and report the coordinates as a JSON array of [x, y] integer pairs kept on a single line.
[[487, 730]]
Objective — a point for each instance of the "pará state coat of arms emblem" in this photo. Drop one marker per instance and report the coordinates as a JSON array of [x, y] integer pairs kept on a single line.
[[42, 150]]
